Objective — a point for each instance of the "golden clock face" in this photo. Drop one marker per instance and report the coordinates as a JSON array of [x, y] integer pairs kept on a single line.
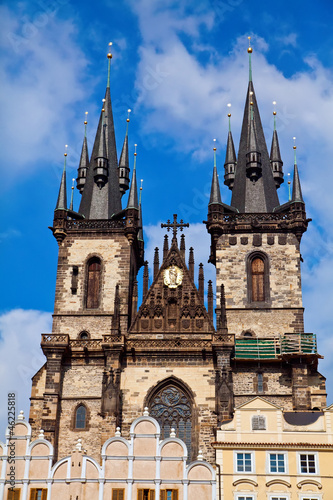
[[173, 276]]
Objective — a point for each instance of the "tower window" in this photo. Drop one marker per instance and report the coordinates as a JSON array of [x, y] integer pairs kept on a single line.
[[80, 417], [258, 275], [93, 283], [258, 278]]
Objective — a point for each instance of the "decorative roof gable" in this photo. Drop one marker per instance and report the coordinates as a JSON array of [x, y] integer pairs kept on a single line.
[[172, 304]]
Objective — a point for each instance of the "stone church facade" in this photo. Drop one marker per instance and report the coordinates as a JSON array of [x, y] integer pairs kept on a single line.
[[108, 358]]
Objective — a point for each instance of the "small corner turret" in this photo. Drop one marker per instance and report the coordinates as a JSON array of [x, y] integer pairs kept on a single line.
[[123, 169], [230, 159], [275, 156], [84, 161]]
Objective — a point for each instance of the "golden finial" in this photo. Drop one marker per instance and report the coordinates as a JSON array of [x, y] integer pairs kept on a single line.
[[229, 106], [214, 148], [85, 121], [128, 111], [135, 146], [141, 185], [65, 153], [251, 102], [103, 109], [109, 53], [249, 47], [294, 139]]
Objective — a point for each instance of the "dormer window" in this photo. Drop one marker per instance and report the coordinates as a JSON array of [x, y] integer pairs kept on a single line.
[[258, 423]]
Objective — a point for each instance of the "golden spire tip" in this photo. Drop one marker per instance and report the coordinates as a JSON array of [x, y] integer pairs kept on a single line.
[[109, 53], [65, 153], [249, 48]]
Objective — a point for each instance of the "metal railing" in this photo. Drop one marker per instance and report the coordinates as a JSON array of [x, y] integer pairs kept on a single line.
[[276, 347]]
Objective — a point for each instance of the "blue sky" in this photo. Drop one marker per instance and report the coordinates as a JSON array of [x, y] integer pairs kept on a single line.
[[176, 64]]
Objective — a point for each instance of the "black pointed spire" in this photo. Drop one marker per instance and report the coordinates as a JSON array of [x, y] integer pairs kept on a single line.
[[123, 169], [62, 196], [215, 193], [102, 203], [140, 232], [275, 157], [84, 161], [297, 190], [165, 247], [133, 194], [230, 159], [254, 188], [101, 161]]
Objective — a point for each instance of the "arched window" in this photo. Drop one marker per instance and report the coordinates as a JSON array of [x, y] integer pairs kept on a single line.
[[172, 408], [258, 278], [80, 417], [93, 283]]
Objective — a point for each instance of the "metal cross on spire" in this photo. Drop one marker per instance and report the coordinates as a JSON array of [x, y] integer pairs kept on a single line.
[[175, 225]]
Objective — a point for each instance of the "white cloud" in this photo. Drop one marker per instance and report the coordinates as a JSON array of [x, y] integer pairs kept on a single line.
[[41, 82], [185, 104], [21, 357]]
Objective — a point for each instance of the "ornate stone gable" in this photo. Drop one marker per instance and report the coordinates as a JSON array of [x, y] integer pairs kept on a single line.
[[172, 304]]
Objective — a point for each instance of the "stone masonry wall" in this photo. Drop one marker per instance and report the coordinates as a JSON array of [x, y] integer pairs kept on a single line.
[[145, 373], [70, 314], [284, 283]]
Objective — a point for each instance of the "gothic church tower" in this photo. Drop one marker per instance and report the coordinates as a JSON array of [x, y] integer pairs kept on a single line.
[[255, 246]]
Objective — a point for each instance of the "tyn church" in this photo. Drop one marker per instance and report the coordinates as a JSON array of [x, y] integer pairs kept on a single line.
[[108, 357]]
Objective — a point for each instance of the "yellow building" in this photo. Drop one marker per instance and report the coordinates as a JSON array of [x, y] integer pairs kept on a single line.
[[265, 453]]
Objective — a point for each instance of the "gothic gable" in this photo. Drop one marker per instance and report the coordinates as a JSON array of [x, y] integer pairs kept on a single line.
[[172, 304]]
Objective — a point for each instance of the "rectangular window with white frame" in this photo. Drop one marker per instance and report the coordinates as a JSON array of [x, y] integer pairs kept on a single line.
[[242, 496], [277, 462], [279, 497], [310, 496], [244, 462], [307, 463]]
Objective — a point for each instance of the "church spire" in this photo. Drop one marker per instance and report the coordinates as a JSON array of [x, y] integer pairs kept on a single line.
[[123, 169], [230, 159], [140, 232], [104, 200], [275, 157], [215, 193], [297, 190], [84, 160], [133, 194], [62, 196], [254, 188]]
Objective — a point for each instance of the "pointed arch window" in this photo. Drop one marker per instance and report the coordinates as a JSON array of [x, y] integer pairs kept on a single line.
[[93, 283], [172, 407], [80, 417], [258, 278]]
